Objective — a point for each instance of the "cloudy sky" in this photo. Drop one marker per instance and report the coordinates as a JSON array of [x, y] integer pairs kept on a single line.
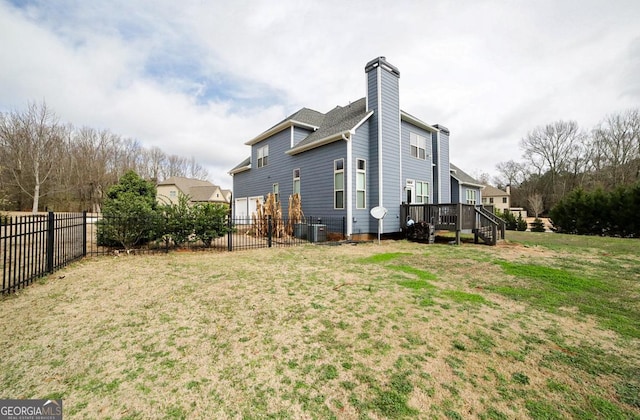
[[199, 78]]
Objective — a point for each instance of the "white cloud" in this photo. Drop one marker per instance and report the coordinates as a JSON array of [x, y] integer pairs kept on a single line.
[[201, 78]]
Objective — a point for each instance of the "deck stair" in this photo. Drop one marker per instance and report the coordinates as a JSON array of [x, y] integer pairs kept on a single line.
[[489, 227]]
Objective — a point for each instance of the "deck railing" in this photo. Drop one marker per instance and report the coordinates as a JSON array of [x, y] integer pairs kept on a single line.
[[456, 217]]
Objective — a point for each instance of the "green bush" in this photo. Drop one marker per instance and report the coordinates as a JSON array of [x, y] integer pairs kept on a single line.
[[508, 217], [537, 225], [177, 222], [210, 222], [521, 224], [599, 213], [129, 213]]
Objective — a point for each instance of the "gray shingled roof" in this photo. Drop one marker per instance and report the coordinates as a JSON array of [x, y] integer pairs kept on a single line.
[[338, 120], [245, 163], [462, 176], [303, 115]]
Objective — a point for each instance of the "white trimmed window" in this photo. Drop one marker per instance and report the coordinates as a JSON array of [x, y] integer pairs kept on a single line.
[[472, 196], [418, 146], [276, 192], [296, 181], [338, 184], [361, 184], [263, 156], [422, 192]]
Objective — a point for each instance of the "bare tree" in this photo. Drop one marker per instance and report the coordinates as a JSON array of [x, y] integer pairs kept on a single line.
[[616, 143], [32, 142], [551, 149], [511, 172], [536, 204], [153, 160], [196, 170]]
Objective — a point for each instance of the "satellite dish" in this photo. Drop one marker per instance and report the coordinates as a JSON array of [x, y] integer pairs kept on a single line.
[[378, 212]]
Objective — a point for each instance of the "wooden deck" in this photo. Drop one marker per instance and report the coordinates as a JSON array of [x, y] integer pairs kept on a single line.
[[459, 218]]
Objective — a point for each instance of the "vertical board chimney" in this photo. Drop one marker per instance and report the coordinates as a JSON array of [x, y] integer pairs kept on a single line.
[[441, 170], [383, 98]]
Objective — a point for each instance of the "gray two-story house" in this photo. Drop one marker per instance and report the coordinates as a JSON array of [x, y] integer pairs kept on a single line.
[[353, 158]]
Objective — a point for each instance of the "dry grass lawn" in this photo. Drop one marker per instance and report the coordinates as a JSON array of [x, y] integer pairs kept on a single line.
[[352, 331]]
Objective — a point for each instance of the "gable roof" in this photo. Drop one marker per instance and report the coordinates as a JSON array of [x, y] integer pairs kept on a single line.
[[196, 189], [204, 193], [340, 120], [305, 117], [185, 184], [463, 177], [491, 191]]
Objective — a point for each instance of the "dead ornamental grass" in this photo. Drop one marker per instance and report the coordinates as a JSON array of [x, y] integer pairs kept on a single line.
[[298, 332]]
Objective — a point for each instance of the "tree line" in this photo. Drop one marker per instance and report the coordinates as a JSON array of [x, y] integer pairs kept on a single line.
[[47, 164], [560, 157]]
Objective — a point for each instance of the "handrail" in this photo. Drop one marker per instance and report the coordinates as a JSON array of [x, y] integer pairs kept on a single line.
[[502, 224]]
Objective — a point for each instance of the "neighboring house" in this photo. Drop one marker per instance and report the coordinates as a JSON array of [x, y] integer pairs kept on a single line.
[[197, 190], [353, 158], [464, 188], [500, 200]]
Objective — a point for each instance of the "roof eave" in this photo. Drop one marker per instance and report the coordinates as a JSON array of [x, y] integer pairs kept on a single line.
[[362, 121], [278, 128], [467, 183], [326, 140], [238, 170], [413, 120]]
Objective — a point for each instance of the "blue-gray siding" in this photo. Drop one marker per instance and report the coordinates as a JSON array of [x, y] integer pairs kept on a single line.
[[299, 134], [386, 118], [414, 168], [316, 175], [441, 172], [362, 222], [455, 191]]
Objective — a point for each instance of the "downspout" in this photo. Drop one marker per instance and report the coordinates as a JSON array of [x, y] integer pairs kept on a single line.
[[380, 157], [348, 181]]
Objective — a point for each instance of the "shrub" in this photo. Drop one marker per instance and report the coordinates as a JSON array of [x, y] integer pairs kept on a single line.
[[521, 224], [599, 213], [512, 223], [177, 221], [537, 225], [129, 213], [210, 222]]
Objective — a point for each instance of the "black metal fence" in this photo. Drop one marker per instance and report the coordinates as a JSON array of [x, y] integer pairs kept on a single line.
[[37, 245]]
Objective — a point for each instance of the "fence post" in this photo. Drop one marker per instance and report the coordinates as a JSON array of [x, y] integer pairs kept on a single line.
[[229, 234], [458, 223], [84, 233], [269, 231], [50, 241]]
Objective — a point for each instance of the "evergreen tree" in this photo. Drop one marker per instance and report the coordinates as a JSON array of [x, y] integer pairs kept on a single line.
[[129, 213]]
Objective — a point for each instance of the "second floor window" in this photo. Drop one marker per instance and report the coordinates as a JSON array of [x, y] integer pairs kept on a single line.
[[472, 196], [361, 184], [338, 184], [418, 146], [296, 181], [263, 156]]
